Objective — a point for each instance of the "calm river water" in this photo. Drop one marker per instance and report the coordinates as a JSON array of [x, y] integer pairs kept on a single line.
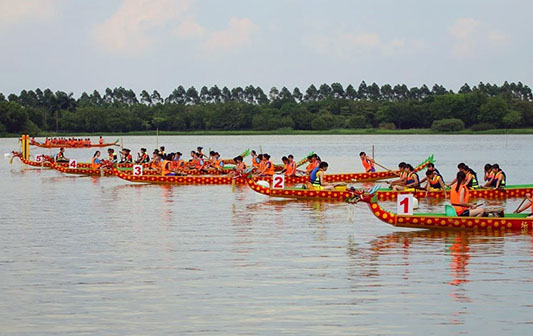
[[101, 256]]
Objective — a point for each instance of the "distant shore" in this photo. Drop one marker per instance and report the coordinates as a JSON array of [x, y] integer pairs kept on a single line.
[[365, 131]]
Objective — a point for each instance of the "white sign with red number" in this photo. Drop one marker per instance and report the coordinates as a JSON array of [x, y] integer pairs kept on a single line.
[[137, 170], [405, 204], [278, 181], [39, 158], [73, 163]]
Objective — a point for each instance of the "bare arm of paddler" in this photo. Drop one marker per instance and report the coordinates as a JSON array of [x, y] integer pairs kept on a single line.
[[528, 205]]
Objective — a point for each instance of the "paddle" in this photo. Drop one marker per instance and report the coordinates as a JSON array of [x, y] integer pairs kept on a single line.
[[523, 200]]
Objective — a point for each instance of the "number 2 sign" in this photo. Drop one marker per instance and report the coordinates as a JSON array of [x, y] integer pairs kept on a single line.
[[278, 181], [137, 170], [405, 204], [73, 163]]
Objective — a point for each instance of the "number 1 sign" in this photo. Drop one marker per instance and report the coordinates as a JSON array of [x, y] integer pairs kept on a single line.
[[405, 204], [278, 181]]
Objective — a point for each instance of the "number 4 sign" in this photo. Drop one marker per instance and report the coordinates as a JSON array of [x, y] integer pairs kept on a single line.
[[405, 204], [278, 181], [72, 163], [137, 170]]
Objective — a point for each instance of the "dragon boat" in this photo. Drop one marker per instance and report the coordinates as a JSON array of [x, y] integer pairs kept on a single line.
[[92, 145], [291, 180], [447, 220], [510, 191]]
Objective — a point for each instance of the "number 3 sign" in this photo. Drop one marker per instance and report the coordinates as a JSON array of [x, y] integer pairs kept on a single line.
[[278, 181], [405, 204], [137, 170]]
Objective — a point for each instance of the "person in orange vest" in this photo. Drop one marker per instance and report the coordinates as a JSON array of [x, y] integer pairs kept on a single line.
[[314, 161], [142, 157], [96, 162], [256, 160], [528, 205], [165, 168], [268, 167], [368, 162], [289, 167], [154, 164], [460, 197], [101, 140], [218, 164]]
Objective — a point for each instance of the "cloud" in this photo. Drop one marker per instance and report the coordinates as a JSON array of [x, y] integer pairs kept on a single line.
[[189, 29], [471, 37], [136, 24], [14, 12], [237, 34], [348, 44]]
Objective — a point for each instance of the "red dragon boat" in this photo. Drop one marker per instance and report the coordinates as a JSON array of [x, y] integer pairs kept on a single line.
[[42, 145], [511, 222]]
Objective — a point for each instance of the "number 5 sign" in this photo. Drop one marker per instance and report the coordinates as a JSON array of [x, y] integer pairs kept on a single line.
[[278, 181], [137, 170], [405, 204]]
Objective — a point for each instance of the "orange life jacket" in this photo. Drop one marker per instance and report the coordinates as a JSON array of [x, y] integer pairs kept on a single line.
[[455, 198], [255, 164], [94, 165], [369, 165], [101, 141], [291, 169], [310, 167], [270, 168], [164, 167]]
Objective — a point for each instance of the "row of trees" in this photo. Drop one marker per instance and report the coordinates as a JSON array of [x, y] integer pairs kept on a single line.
[[325, 107]]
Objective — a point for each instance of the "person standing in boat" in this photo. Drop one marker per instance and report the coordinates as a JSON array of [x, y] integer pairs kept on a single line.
[[368, 162], [526, 206], [101, 140], [60, 156], [460, 197]]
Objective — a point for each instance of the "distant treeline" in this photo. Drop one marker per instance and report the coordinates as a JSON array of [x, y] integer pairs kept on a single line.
[[484, 106]]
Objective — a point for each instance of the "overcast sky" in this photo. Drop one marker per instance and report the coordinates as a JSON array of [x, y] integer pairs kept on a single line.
[[76, 45]]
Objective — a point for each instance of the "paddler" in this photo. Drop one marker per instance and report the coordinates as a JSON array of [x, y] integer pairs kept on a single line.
[[498, 178], [460, 197], [154, 164], [412, 179], [60, 156], [403, 176], [199, 151], [218, 164], [240, 166], [142, 157], [165, 166], [313, 163], [316, 178], [255, 159], [96, 162], [526, 206], [368, 162], [112, 156], [289, 166], [434, 182], [267, 168], [488, 172], [101, 140]]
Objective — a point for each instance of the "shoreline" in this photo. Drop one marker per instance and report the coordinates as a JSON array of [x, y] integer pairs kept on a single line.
[[369, 131]]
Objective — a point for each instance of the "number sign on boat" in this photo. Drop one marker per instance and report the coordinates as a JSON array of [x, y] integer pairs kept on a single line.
[[405, 204], [137, 170], [73, 163], [278, 181]]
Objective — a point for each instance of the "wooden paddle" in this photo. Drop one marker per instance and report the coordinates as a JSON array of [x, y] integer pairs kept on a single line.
[[523, 200]]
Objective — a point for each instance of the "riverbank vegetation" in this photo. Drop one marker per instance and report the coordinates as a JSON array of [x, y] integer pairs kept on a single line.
[[369, 109]]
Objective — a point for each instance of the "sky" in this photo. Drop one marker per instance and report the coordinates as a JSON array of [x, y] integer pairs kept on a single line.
[[76, 46]]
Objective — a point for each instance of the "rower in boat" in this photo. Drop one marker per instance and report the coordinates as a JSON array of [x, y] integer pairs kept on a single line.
[[165, 168], [403, 176], [434, 182], [316, 179], [218, 164], [162, 151], [368, 162], [488, 172], [313, 163], [112, 156], [267, 168], [142, 157], [497, 179], [240, 166], [431, 166], [460, 197], [101, 140], [96, 162], [60, 156], [199, 151], [126, 156], [289, 166], [528, 205], [255, 159], [154, 164], [412, 179]]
